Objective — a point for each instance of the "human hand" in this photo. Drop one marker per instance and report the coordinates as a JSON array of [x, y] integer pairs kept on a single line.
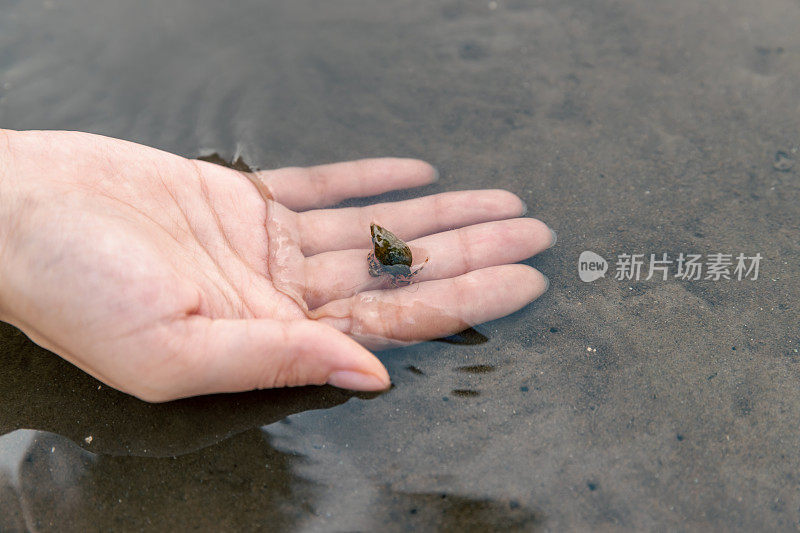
[[166, 277]]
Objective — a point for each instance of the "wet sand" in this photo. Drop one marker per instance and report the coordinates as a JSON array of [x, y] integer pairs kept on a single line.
[[628, 127]]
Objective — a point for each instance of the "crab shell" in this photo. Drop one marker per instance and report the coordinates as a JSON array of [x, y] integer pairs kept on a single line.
[[393, 254]]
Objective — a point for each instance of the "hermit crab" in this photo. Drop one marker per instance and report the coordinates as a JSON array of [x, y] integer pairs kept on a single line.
[[391, 256]]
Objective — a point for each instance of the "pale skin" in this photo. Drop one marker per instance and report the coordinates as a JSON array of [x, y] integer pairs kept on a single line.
[[167, 277]]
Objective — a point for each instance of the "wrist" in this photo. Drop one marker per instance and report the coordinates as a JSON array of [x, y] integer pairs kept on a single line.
[[8, 210]]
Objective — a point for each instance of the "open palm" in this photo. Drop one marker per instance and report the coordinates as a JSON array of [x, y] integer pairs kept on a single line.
[[167, 277]]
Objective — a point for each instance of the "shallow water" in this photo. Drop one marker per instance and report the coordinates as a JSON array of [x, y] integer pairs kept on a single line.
[[629, 127]]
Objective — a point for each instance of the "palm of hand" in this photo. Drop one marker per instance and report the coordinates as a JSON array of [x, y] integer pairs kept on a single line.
[[167, 277]]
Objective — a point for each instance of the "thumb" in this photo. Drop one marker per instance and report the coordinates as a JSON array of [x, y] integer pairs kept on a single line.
[[237, 355]]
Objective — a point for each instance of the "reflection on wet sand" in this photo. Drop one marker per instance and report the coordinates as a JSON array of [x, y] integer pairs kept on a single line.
[[47, 483], [468, 337], [40, 482], [344, 492]]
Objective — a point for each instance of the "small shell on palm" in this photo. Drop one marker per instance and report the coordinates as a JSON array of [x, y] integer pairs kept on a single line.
[[390, 256]]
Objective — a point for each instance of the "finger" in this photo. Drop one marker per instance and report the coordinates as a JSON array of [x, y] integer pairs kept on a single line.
[[324, 230], [225, 355], [382, 319], [319, 186], [335, 275]]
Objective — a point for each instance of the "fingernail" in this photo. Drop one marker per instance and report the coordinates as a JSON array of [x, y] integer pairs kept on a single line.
[[555, 236], [524, 208], [436, 175], [348, 379], [546, 283]]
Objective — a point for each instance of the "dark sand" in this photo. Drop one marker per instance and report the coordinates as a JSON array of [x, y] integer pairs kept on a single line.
[[628, 126]]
